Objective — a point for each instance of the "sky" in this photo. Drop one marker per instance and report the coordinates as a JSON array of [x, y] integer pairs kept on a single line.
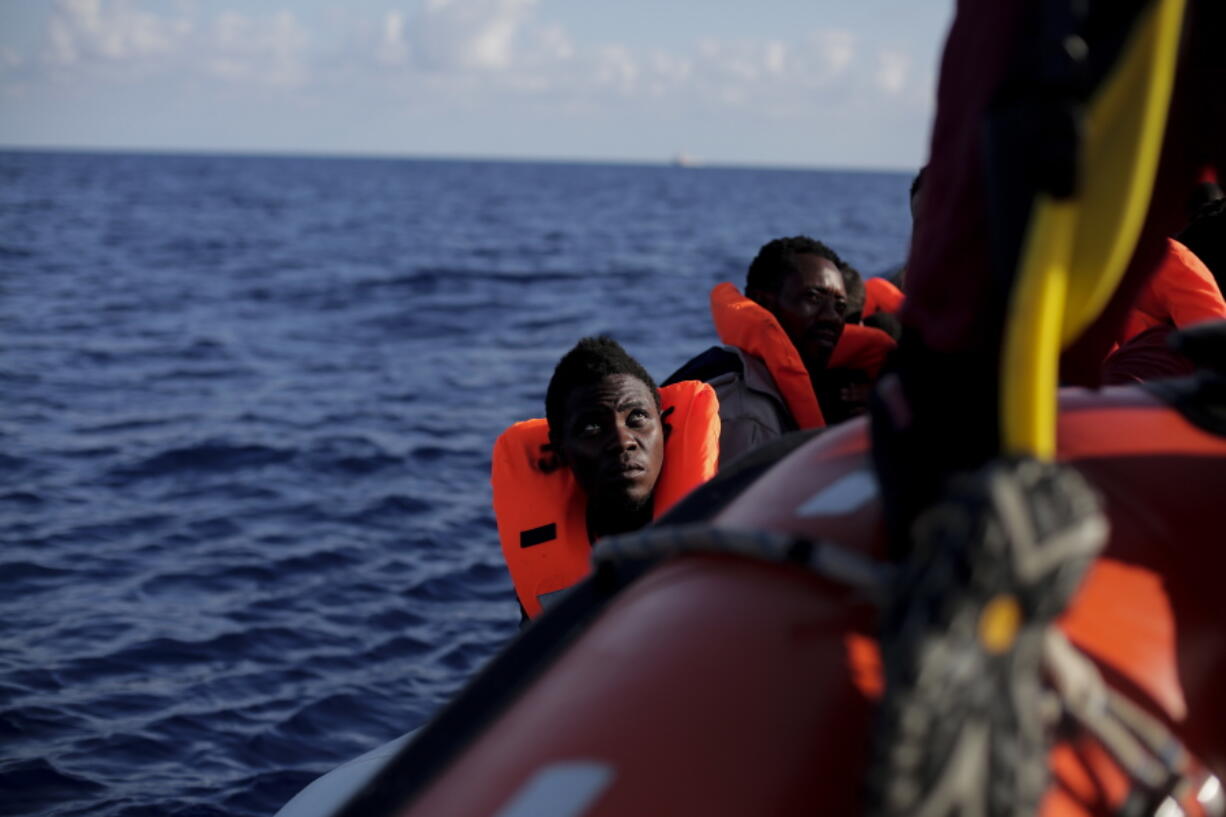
[[822, 83]]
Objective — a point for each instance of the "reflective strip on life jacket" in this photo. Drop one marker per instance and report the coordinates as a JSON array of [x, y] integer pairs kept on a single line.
[[749, 326], [542, 511]]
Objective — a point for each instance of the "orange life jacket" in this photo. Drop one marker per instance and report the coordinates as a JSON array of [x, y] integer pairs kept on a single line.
[[542, 511], [747, 325], [881, 296], [1181, 292], [862, 347]]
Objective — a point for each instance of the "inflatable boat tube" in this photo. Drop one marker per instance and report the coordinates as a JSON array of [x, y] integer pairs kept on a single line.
[[718, 684]]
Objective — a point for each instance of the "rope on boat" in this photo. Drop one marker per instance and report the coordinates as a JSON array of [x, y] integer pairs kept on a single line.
[[1140, 743], [1166, 774]]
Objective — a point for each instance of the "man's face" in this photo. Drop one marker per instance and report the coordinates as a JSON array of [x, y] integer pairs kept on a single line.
[[810, 306], [613, 441]]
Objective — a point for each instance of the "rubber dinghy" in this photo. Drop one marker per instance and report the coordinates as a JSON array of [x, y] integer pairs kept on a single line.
[[1001, 600], [729, 666]]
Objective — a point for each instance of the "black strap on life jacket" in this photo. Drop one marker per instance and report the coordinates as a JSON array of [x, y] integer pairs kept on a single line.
[[538, 536]]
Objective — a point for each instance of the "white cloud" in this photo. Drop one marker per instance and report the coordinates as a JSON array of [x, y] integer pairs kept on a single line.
[[415, 58], [667, 72], [268, 51], [123, 37], [834, 50], [616, 68], [467, 35], [117, 31], [892, 70], [776, 57], [393, 46], [461, 51], [770, 77], [554, 43]]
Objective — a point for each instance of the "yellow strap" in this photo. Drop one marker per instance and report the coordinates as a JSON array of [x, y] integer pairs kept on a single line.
[[1031, 355], [1124, 131], [1076, 251]]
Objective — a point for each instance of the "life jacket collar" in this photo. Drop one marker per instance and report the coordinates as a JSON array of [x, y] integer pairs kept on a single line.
[[749, 326]]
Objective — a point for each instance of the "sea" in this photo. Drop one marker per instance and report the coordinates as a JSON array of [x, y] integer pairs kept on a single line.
[[246, 413]]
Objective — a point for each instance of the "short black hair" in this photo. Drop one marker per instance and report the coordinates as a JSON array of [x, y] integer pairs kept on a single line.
[[917, 185], [918, 182], [1206, 236], [590, 361], [777, 260], [853, 285]]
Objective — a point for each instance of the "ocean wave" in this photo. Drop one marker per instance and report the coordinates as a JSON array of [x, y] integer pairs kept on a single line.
[[12, 252], [41, 723], [214, 456], [32, 786], [22, 498], [349, 455], [215, 582]]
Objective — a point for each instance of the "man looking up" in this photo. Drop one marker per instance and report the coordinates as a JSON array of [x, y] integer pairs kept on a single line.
[[604, 424], [789, 361], [613, 453]]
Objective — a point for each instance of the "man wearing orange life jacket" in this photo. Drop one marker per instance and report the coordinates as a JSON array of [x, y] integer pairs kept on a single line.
[[613, 453], [1185, 290], [1182, 292], [872, 302], [881, 296], [789, 361]]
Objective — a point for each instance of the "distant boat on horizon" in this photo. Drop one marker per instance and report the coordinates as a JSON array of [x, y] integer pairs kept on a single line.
[[683, 159]]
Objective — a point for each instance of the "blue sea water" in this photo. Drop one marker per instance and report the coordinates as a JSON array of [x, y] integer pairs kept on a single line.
[[246, 410]]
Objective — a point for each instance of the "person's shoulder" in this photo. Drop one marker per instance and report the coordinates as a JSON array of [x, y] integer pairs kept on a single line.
[[707, 366], [742, 382]]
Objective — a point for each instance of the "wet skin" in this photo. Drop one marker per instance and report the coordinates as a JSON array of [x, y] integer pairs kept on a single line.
[[809, 306], [613, 441]]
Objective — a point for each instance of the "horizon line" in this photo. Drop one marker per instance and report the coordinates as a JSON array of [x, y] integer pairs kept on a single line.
[[692, 163]]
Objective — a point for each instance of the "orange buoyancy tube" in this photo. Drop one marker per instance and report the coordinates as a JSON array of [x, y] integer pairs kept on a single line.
[[542, 511], [881, 296], [1182, 291], [747, 325], [798, 652]]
